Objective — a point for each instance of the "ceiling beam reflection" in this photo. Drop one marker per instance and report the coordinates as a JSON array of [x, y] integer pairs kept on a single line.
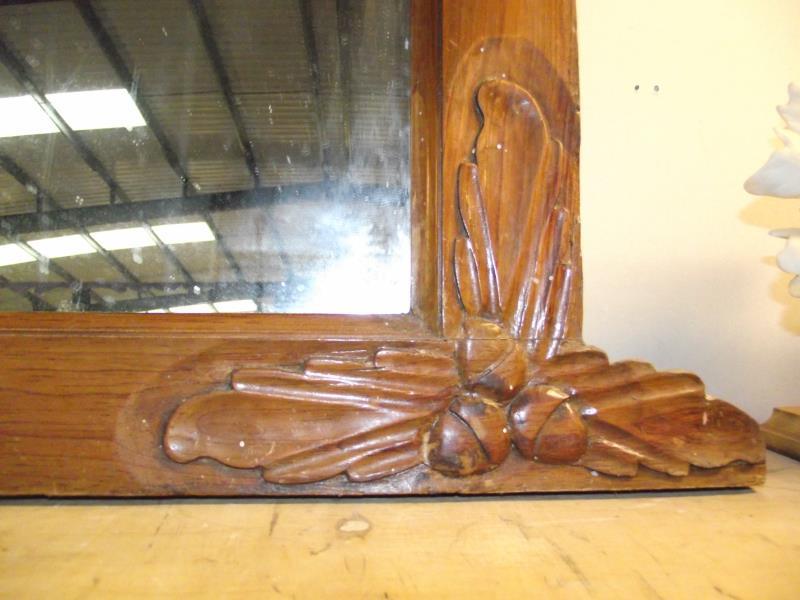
[[20, 72], [224, 81], [117, 62]]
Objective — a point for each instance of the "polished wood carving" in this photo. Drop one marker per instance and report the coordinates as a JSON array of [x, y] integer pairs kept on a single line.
[[512, 382]]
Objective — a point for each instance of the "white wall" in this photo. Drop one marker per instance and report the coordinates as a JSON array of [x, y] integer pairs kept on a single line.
[[679, 269]]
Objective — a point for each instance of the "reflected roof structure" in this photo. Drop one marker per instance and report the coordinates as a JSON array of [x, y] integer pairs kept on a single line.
[[202, 155]]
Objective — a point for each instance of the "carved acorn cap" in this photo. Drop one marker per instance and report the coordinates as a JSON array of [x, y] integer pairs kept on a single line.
[[546, 427], [469, 438]]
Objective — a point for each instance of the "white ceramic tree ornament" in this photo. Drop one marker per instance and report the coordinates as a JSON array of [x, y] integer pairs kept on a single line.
[[780, 177]]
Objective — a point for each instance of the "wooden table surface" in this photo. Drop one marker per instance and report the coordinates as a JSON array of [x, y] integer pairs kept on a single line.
[[736, 544]]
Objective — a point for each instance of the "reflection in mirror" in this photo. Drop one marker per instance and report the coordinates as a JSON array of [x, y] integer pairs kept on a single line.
[[204, 156]]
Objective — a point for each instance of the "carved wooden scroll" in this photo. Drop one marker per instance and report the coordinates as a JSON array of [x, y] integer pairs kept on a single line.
[[511, 387]]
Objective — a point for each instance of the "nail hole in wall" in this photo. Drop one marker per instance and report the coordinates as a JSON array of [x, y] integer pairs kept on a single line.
[[656, 88]]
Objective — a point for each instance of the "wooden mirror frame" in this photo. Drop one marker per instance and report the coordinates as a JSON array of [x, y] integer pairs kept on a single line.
[[486, 387]]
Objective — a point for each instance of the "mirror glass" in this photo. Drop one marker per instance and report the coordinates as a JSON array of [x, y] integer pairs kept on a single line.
[[205, 156]]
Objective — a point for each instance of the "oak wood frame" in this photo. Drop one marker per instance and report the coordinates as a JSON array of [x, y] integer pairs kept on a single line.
[[87, 399]]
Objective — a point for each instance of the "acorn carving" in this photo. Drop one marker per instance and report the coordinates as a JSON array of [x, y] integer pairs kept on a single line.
[[472, 435], [469, 438], [545, 427]]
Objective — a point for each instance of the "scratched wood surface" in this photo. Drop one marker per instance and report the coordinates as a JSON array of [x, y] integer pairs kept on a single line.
[[736, 544]]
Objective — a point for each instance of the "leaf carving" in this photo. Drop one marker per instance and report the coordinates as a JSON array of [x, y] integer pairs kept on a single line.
[[482, 277], [361, 416], [633, 415], [516, 227]]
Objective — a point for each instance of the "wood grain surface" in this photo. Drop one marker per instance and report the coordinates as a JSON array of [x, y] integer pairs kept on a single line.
[[426, 161], [670, 546]]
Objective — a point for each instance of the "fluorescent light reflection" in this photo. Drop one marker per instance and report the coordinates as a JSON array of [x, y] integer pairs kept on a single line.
[[138, 237], [22, 116], [84, 110], [11, 254], [124, 239], [65, 245], [236, 306], [184, 233], [111, 239], [203, 307], [98, 109], [226, 306]]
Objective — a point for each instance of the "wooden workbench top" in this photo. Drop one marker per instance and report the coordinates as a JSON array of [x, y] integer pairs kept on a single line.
[[733, 544]]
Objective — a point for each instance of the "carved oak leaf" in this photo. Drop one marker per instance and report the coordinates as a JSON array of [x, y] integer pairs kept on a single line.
[[352, 413], [515, 254], [511, 379]]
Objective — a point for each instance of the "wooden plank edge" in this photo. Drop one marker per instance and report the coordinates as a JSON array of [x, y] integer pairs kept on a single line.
[[421, 481], [782, 431]]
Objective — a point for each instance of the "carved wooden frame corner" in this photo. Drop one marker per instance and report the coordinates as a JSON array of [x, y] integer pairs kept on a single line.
[[513, 401], [487, 387]]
